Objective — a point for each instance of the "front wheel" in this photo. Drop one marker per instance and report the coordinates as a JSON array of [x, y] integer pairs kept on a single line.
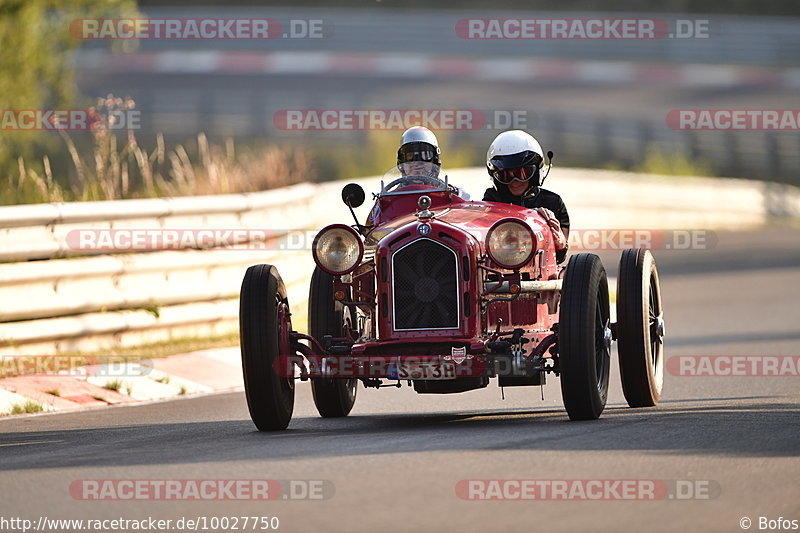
[[640, 329], [584, 337], [264, 326]]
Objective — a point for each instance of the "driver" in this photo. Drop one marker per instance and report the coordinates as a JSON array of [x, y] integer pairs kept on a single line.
[[419, 153], [418, 162], [514, 160]]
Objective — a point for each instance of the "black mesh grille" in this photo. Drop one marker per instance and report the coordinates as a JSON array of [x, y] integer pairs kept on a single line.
[[425, 287]]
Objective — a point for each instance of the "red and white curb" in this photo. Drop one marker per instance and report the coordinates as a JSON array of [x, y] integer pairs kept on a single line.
[[382, 64], [98, 385]]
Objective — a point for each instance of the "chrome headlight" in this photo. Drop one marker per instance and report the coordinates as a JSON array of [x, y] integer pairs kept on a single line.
[[338, 249], [510, 243]]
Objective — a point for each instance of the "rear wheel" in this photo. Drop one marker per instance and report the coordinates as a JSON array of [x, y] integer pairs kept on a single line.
[[584, 337], [334, 397], [264, 326], [640, 328]]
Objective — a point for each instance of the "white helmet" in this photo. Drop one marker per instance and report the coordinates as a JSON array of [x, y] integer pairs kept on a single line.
[[419, 144], [514, 155]]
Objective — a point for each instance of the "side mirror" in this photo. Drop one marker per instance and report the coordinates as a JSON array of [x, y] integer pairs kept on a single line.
[[353, 195]]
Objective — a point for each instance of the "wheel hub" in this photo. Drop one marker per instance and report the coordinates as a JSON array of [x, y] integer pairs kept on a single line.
[[657, 328], [607, 335]]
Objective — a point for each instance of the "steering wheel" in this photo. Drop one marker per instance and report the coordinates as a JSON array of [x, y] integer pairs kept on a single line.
[[415, 180]]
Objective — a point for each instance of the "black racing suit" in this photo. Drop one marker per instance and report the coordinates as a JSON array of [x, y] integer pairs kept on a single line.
[[535, 197]]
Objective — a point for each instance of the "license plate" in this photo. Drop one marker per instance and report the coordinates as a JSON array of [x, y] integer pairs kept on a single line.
[[434, 369]]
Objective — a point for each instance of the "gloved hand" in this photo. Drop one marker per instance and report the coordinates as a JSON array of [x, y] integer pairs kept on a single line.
[[559, 239], [555, 227]]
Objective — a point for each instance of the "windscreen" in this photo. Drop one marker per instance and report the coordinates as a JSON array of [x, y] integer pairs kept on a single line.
[[413, 176]]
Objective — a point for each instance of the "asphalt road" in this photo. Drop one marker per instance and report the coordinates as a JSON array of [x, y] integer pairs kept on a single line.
[[396, 460]]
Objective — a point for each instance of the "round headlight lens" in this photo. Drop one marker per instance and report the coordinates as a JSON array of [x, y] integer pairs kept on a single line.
[[337, 249], [510, 243]]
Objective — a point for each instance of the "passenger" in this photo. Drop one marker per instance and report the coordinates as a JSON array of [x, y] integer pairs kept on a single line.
[[514, 160]]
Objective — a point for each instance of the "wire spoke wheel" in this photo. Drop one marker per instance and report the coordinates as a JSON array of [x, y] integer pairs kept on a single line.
[[640, 328]]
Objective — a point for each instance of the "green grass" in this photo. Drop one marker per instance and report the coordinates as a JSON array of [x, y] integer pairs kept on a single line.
[[115, 385], [167, 348], [115, 166], [28, 407], [53, 392], [158, 349], [153, 309], [672, 164]]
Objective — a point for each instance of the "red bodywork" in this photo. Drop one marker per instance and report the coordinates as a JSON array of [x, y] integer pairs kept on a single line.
[[460, 226]]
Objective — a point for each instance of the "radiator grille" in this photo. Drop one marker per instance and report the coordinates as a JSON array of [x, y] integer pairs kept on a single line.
[[425, 287]]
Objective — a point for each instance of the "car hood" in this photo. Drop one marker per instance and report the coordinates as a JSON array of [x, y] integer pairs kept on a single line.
[[471, 217]]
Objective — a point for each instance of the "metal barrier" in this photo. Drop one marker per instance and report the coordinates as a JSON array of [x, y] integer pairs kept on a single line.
[[58, 297]]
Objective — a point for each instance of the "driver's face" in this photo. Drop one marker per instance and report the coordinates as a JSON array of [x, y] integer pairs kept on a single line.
[[517, 187], [417, 168]]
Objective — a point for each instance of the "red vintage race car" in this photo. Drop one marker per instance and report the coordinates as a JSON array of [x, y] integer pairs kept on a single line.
[[444, 294]]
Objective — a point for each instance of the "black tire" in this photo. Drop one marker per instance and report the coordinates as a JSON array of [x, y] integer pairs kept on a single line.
[[584, 337], [334, 397], [640, 328], [270, 393]]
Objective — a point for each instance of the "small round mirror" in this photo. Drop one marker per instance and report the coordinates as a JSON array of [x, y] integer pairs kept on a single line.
[[353, 194]]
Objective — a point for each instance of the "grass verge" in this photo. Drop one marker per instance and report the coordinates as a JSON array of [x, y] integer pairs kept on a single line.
[[28, 407]]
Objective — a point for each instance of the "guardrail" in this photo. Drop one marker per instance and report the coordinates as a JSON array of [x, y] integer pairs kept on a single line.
[[58, 298]]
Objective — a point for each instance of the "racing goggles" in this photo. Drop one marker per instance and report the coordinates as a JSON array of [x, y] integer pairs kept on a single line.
[[521, 167], [417, 152], [507, 175]]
